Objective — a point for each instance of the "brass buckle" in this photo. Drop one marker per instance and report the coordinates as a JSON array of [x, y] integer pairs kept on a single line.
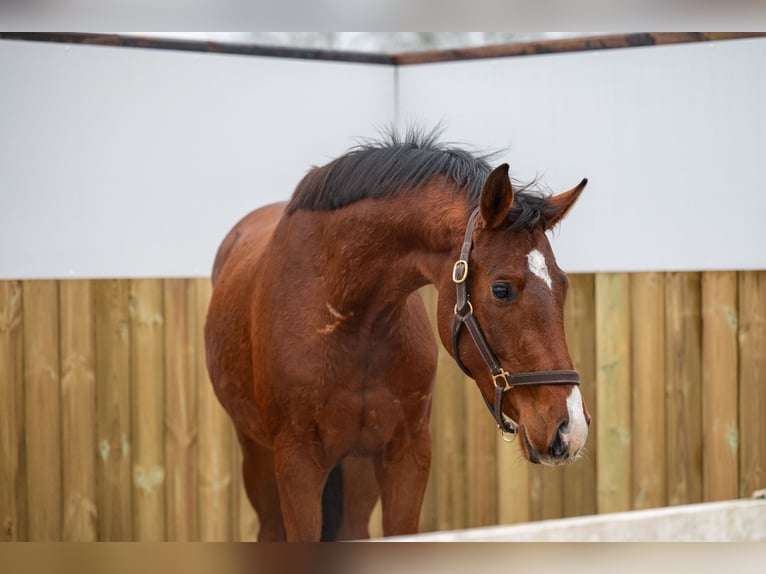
[[457, 276], [502, 375]]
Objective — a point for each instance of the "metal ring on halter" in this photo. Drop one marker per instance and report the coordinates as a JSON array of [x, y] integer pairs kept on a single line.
[[470, 309], [504, 435]]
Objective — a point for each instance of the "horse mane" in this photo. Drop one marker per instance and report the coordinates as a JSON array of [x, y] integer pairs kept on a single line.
[[394, 166]]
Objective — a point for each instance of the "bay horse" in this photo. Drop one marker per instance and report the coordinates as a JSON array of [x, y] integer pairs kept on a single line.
[[320, 350]]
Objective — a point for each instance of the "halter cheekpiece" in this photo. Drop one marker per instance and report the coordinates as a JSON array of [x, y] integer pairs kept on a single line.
[[503, 380]]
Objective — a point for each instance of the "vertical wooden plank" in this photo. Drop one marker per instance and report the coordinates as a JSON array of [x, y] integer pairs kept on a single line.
[[545, 492], [43, 406], [683, 377], [214, 464], [719, 385], [752, 381], [512, 482], [78, 417], [180, 413], [447, 483], [579, 490], [147, 401], [647, 321], [481, 463], [12, 479], [112, 328], [613, 389]]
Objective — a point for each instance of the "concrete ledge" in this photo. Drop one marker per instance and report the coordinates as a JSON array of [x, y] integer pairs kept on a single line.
[[729, 521]]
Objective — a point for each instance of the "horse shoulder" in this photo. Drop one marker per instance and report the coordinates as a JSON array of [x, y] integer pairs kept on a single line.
[[258, 224]]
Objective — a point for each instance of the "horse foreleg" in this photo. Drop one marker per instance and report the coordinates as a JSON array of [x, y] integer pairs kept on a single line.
[[261, 487], [300, 479], [403, 473], [360, 493]]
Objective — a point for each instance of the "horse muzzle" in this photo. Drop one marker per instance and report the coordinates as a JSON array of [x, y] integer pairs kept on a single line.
[[565, 446], [560, 451]]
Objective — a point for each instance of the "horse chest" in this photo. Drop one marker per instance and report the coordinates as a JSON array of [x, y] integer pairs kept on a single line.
[[363, 422], [360, 408]]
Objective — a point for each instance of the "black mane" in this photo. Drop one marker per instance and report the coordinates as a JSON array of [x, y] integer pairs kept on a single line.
[[392, 167]]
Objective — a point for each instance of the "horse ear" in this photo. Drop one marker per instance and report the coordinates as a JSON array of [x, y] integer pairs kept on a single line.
[[562, 203], [496, 197]]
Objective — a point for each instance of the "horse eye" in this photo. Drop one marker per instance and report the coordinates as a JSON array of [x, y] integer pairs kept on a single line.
[[503, 292]]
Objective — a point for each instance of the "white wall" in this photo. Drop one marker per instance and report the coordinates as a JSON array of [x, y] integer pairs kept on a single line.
[[127, 162], [122, 162], [672, 139]]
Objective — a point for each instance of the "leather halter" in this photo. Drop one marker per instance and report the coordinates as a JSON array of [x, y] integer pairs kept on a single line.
[[503, 380]]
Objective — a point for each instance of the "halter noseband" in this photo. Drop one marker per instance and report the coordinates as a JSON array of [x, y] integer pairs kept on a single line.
[[503, 380]]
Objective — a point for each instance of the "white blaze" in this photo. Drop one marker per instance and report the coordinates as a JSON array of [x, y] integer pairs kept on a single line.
[[577, 429], [538, 267]]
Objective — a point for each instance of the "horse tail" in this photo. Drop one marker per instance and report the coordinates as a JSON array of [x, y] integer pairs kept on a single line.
[[332, 505]]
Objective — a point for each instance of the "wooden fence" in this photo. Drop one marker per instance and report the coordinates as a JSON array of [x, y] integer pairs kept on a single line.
[[109, 429]]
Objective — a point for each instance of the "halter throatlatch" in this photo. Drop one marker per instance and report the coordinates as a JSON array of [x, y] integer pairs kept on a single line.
[[503, 380]]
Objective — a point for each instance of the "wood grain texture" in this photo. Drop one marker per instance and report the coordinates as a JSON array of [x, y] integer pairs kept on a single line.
[[42, 404], [215, 438], [752, 381], [148, 404], [78, 411], [180, 431], [481, 462], [113, 413], [446, 498], [513, 470], [720, 360], [613, 383], [624, 331], [579, 492], [13, 502], [545, 493], [683, 380], [647, 300]]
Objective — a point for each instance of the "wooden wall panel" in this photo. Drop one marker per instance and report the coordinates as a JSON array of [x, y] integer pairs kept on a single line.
[[613, 371], [683, 382], [647, 300], [215, 437], [78, 412], [42, 409], [720, 363], [13, 501], [579, 493], [670, 363], [113, 412], [148, 402], [481, 463], [181, 430], [752, 381], [448, 478]]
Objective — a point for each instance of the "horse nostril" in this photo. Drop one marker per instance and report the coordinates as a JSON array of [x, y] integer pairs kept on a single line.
[[558, 446]]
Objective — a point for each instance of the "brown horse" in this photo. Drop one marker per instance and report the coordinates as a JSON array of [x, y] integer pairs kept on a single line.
[[320, 349]]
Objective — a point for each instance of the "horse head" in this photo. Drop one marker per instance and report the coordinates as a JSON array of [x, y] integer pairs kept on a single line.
[[505, 326]]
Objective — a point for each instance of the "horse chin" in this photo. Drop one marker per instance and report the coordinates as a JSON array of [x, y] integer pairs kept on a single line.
[[536, 457]]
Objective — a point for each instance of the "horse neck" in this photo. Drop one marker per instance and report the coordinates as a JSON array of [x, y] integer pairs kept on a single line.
[[373, 253]]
